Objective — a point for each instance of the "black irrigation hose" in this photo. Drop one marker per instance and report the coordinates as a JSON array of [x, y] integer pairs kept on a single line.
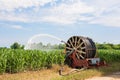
[[70, 72]]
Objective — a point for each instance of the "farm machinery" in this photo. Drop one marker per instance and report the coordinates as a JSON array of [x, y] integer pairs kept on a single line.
[[81, 53]]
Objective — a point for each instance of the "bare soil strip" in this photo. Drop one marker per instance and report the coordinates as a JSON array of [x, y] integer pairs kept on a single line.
[[114, 76]]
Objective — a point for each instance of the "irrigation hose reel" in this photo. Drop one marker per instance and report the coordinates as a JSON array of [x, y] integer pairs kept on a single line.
[[80, 52]]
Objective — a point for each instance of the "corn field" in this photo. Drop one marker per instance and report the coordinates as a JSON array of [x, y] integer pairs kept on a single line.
[[12, 61], [110, 56]]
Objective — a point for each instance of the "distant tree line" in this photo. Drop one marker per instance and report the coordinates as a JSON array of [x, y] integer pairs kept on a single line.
[[108, 46], [17, 46], [40, 45]]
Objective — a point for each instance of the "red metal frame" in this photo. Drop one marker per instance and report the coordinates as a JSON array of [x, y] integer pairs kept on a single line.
[[78, 63]]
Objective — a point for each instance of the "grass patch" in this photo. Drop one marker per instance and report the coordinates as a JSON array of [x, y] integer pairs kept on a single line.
[[80, 75], [113, 67], [52, 73], [101, 71]]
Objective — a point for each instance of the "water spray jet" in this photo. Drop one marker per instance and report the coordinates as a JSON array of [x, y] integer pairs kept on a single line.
[[43, 39]]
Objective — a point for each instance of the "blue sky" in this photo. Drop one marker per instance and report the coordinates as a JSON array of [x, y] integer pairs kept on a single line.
[[22, 19]]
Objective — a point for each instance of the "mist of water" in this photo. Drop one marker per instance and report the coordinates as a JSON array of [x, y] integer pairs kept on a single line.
[[34, 39]]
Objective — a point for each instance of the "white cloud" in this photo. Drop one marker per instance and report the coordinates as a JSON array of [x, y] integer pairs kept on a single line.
[[107, 21], [104, 12], [13, 17], [57, 19], [16, 27], [68, 13], [9, 5], [96, 12], [73, 8], [13, 26]]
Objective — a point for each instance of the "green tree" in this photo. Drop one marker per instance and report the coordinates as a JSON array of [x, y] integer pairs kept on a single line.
[[61, 46], [108, 46], [104, 46], [16, 46]]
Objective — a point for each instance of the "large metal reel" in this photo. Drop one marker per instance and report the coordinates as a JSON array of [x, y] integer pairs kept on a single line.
[[84, 47]]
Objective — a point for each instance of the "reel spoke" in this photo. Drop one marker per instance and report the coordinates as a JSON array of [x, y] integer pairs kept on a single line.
[[81, 56], [81, 52], [71, 44], [69, 48], [68, 44], [72, 39], [77, 56], [83, 47], [75, 41], [80, 44]]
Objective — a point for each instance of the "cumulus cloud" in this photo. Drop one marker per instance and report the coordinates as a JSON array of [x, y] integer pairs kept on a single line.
[[9, 5], [104, 12], [68, 13], [107, 21], [18, 27], [13, 26]]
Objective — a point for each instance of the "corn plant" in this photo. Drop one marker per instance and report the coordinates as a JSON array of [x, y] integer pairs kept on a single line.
[[109, 55]]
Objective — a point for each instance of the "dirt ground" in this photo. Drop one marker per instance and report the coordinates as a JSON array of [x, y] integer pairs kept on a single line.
[[48, 75], [30, 75], [114, 76]]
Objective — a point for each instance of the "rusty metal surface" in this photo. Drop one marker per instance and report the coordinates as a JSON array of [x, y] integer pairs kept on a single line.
[[82, 48]]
